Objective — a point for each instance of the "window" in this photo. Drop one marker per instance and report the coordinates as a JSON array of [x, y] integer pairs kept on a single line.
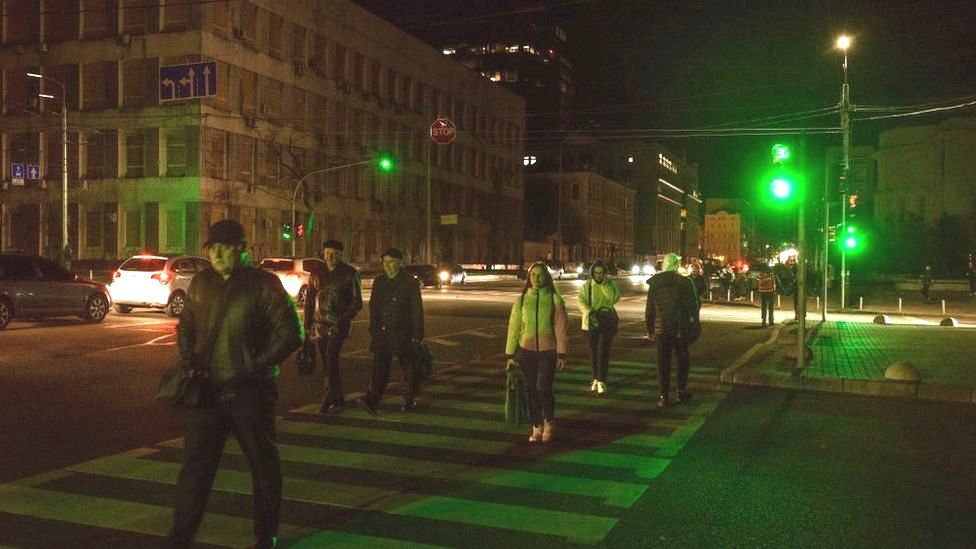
[[338, 61], [19, 88], [244, 153], [174, 229], [93, 229], [180, 16], [67, 75], [60, 20], [249, 93], [358, 71], [176, 152], [139, 16], [575, 191], [295, 108], [54, 154], [100, 85], [321, 55], [297, 43], [249, 22], [135, 154], [276, 38], [133, 229], [101, 154], [22, 19], [215, 153], [275, 92], [139, 82], [218, 18]]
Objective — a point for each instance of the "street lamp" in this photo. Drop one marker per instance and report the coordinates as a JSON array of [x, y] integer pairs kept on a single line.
[[843, 43], [65, 248], [386, 163]]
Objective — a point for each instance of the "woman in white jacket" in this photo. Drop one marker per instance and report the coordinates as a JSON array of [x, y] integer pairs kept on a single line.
[[597, 299]]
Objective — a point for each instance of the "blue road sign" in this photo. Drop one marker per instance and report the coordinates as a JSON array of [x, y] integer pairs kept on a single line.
[[187, 81], [17, 171], [33, 172]]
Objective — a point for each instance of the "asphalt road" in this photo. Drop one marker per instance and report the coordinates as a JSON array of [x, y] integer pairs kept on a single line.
[[87, 460]]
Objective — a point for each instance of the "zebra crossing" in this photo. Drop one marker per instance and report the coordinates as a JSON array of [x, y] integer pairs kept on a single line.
[[450, 474]]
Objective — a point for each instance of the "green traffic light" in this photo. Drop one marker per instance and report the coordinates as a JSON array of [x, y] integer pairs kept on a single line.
[[781, 188], [385, 163], [781, 153]]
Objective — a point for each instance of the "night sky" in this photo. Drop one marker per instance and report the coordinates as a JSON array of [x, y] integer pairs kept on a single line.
[[652, 64]]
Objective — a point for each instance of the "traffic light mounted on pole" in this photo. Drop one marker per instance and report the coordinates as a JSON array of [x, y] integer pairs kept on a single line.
[[781, 181]]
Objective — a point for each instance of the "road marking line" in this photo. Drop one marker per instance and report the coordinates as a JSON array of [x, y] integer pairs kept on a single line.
[[479, 333], [147, 343], [441, 341]]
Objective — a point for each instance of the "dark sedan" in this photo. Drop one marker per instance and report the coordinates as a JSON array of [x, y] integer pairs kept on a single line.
[[426, 275], [34, 287]]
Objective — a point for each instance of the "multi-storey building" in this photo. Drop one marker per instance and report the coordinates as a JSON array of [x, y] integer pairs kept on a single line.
[[301, 86], [723, 237], [594, 214]]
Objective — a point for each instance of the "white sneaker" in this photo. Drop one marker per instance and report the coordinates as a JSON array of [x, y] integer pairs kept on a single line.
[[548, 429], [536, 435], [601, 387], [593, 385]]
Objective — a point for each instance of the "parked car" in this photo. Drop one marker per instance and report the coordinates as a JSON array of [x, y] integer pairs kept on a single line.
[[155, 282], [426, 274], [34, 287], [556, 268], [293, 273], [452, 274]]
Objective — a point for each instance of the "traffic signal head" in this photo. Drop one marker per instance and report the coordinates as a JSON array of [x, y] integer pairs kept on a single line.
[[286, 231], [781, 153], [850, 239], [781, 188], [852, 201], [300, 230], [385, 162]]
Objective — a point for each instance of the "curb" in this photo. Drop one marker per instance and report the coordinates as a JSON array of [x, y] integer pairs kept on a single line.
[[789, 378]]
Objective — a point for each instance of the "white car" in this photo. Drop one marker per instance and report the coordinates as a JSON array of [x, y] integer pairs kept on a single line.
[[155, 281], [293, 273]]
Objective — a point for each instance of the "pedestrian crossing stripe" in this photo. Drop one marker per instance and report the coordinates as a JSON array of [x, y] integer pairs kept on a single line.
[[461, 465]]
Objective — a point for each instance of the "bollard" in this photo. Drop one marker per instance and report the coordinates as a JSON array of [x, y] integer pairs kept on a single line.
[[818, 302], [943, 306], [779, 302], [751, 296], [860, 304], [91, 274], [728, 295], [899, 304]]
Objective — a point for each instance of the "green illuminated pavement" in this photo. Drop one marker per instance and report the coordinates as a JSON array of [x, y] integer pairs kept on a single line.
[[449, 474]]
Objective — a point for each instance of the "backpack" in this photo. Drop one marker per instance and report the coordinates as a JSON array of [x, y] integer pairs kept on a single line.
[[766, 284]]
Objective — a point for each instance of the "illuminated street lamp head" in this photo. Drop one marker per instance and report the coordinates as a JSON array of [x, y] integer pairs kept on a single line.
[[34, 75], [843, 42], [781, 188]]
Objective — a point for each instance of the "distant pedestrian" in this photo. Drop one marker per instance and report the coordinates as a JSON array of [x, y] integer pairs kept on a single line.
[[240, 324], [335, 297], [537, 338], [766, 286], [926, 283], [669, 297], [971, 275], [396, 324], [597, 298]]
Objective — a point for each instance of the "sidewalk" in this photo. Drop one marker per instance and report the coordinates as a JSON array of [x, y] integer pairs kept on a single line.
[[851, 357]]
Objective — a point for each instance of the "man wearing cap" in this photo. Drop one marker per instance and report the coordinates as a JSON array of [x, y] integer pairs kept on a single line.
[[240, 324], [335, 297], [396, 324]]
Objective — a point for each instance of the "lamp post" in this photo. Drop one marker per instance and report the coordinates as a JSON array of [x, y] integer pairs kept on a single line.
[[65, 248], [843, 43], [301, 181]]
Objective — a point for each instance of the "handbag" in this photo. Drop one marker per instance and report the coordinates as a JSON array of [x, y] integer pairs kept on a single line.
[[516, 399], [423, 362], [602, 320], [305, 360], [689, 325]]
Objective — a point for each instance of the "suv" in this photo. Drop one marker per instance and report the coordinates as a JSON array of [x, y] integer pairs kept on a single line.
[[155, 281], [293, 273], [34, 287]]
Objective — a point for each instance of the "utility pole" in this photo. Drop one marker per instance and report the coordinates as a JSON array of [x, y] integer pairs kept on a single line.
[[65, 247], [801, 258], [845, 125]]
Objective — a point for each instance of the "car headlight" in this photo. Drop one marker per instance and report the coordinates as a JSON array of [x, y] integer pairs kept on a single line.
[[579, 270], [648, 269], [444, 276], [635, 270]]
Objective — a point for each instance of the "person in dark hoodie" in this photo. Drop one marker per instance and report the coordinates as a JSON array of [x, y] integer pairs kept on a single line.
[[239, 324], [668, 296], [597, 298]]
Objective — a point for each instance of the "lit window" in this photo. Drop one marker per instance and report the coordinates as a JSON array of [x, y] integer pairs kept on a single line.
[[512, 49], [495, 76], [449, 51], [529, 160], [528, 49], [630, 159]]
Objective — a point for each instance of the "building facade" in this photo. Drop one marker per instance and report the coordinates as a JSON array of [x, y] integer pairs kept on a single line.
[[723, 237], [594, 215], [301, 88], [928, 172]]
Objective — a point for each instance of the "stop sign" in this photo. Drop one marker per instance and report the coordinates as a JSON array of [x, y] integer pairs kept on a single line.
[[443, 131]]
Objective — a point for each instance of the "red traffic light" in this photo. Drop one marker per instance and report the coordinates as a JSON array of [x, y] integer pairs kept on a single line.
[[852, 201], [300, 229]]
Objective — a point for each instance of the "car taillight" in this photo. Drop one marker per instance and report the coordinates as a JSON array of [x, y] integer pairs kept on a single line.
[[162, 277], [116, 275]]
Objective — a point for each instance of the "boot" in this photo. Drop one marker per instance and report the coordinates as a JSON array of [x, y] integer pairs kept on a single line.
[[548, 428], [536, 435]]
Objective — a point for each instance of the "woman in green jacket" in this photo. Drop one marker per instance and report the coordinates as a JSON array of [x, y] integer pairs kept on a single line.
[[599, 293], [537, 335]]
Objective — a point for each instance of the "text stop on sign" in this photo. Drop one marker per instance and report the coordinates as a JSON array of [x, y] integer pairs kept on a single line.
[[443, 131]]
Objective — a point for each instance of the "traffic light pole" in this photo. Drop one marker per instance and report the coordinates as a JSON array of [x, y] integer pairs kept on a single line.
[[845, 125], [301, 182], [801, 268]]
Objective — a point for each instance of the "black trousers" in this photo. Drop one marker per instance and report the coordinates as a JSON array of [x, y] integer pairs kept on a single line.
[[925, 292], [380, 376], [539, 369], [329, 348], [250, 415], [768, 303], [599, 353], [666, 344]]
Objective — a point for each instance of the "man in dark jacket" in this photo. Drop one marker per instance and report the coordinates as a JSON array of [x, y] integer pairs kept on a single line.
[[669, 295], [240, 324], [335, 297], [396, 324]]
